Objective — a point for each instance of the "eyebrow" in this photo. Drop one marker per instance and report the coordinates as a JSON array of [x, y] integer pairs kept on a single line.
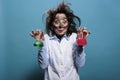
[[60, 18]]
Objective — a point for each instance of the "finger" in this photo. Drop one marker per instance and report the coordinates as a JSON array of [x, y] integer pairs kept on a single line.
[[88, 34], [41, 34], [84, 31], [80, 35], [84, 28], [31, 34], [84, 34], [79, 30], [37, 31]]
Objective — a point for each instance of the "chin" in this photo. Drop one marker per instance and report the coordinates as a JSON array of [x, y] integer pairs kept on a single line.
[[61, 34]]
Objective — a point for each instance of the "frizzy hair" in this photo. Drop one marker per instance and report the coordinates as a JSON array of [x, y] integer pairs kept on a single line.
[[73, 20]]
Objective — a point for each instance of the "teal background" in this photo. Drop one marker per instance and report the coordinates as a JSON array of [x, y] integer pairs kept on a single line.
[[18, 57]]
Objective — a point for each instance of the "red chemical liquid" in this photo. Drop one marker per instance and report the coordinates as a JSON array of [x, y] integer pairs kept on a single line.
[[82, 41]]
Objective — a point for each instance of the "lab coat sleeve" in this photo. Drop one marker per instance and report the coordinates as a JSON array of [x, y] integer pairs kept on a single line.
[[80, 57], [43, 57]]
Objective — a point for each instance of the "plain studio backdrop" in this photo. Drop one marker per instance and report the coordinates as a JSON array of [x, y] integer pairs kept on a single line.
[[18, 56]]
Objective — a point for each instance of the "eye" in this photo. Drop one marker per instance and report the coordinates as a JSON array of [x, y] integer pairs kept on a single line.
[[65, 21], [56, 21]]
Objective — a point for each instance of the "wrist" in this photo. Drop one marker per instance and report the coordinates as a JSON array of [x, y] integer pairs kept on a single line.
[[80, 49], [39, 40], [38, 44]]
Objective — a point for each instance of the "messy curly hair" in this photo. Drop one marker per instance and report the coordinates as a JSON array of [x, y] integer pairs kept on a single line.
[[73, 20]]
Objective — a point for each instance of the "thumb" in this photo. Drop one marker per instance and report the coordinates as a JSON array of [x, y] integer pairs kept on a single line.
[[79, 30]]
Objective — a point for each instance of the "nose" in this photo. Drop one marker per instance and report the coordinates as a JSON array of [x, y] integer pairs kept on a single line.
[[61, 23], [61, 20]]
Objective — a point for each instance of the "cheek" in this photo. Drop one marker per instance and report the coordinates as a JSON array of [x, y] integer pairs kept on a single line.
[[66, 29], [56, 25], [65, 25]]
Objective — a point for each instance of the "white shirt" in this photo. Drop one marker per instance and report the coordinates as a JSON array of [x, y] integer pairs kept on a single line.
[[61, 59]]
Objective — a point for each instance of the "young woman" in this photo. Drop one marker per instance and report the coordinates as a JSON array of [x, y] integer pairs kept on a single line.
[[59, 54]]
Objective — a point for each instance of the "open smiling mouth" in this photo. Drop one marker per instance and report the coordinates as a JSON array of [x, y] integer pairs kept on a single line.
[[60, 31]]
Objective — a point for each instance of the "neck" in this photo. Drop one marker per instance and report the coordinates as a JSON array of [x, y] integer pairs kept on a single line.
[[59, 36]]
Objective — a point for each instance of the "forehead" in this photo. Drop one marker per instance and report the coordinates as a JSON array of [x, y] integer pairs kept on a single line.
[[60, 15]]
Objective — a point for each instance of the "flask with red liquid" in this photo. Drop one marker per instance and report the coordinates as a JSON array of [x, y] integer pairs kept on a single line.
[[81, 39]]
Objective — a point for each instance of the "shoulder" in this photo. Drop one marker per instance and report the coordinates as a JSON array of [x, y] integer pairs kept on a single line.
[[73, 35], [46, 36]]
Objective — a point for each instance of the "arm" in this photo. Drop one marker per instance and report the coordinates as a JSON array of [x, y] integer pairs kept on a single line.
[[43, 56], [80, 56], [79, 53]]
